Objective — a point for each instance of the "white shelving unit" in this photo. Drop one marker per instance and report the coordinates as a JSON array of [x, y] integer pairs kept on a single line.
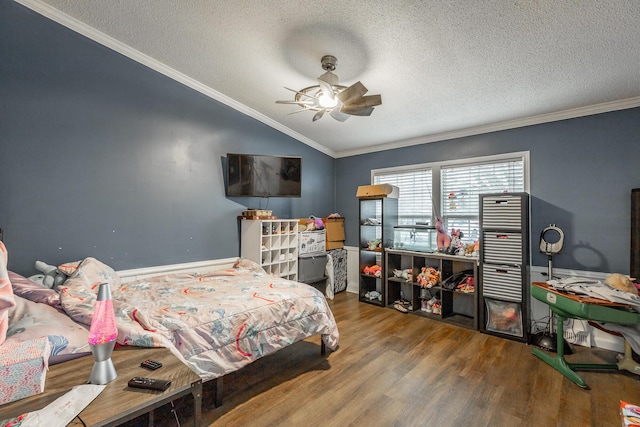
[[273, 243]]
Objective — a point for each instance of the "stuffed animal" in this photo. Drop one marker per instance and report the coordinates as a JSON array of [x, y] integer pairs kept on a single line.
[[314, 224], [468, 249], [456, 247], [373, 270], [621, 282], [443, 238], [375, 245], [428, 277], [51, 276], [403, 274]]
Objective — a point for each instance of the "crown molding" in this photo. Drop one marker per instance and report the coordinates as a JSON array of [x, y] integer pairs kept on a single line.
[[573, 113], [113, 44], [99, 37]]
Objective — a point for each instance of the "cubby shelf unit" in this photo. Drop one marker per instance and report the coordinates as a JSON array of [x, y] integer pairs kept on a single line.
[[273, 243], [458, 308]]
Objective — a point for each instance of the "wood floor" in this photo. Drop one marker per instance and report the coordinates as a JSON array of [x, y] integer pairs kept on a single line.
[[395, 369]]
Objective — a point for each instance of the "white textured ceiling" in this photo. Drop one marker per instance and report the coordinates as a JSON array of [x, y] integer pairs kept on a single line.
[[443, 68]]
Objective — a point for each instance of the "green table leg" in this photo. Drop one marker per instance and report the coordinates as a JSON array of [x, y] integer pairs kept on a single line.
[[561, 365]]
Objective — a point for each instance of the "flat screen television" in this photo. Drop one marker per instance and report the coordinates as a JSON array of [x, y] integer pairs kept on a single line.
[[257, 175]]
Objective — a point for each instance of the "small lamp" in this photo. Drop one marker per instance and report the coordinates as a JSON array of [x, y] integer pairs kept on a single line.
[[102, 337]]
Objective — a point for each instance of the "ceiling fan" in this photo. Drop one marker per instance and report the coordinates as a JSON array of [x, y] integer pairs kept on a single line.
[[330, 97]]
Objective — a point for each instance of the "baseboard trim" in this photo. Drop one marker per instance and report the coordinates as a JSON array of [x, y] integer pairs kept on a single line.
[[192, 267], [353, 274]]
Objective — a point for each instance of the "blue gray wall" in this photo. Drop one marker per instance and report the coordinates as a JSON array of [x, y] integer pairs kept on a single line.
[[101, 156], [582, 173]]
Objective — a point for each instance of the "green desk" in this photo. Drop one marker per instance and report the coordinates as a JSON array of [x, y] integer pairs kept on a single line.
[[567, 306]]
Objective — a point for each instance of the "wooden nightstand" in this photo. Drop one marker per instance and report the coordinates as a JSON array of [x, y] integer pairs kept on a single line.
[[118, 402]]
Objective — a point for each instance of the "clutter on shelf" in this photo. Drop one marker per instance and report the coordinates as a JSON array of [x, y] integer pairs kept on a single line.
[[373, 270], [428, 277]]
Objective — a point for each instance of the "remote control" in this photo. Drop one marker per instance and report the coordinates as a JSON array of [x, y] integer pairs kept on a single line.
[[149, 383], [151, 364]]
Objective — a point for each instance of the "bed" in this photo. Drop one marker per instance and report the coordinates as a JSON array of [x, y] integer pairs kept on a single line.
[[216, 322]]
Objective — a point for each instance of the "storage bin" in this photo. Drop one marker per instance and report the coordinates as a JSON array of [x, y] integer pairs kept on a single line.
[[311, 268], [504, 317]]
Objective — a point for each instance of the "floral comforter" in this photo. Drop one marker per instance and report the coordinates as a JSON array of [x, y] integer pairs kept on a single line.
[[215, 322]]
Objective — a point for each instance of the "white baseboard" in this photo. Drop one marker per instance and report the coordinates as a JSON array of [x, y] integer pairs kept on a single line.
[[191, 267], [353, 269]]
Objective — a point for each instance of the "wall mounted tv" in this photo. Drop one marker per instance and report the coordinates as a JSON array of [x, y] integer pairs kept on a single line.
[[258, 175]]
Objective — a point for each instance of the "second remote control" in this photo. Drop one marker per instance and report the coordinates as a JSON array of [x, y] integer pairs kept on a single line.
[[149, 383], [151, 364]]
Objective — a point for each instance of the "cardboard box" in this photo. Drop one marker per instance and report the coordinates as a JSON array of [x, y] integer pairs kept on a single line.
[[377, 190], [335, 229], [335, 245], [311, 242], [23, 368]]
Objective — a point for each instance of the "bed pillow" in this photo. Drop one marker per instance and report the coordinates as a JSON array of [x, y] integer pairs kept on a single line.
[[29, 320], [80, 290], [69, 268], [247, 264], [7, 300], [94, 272], [33, 291]]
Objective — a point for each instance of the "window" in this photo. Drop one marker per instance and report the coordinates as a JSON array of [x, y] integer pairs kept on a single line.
[[417, 184], [452, 189]]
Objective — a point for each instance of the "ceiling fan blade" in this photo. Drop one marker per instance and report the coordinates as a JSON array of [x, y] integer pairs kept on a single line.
[[329, 78], [352, 93], [356, 111], [318, 115], [304, 102], [300, 93], [327, 90], [298, 111], [338, 115], [365, 101]]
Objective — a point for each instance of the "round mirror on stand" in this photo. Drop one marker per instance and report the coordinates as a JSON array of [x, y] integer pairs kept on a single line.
[[551, 242]]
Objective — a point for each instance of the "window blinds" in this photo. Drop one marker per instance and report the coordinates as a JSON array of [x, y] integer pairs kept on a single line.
[[414, 201], [460, 184]]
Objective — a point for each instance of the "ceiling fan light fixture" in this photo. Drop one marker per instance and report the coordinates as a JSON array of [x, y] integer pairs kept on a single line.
[[327, 101], [329, 96]]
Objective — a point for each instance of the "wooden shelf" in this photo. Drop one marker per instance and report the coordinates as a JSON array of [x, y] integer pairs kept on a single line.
[[456, 307], [385, 211]]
